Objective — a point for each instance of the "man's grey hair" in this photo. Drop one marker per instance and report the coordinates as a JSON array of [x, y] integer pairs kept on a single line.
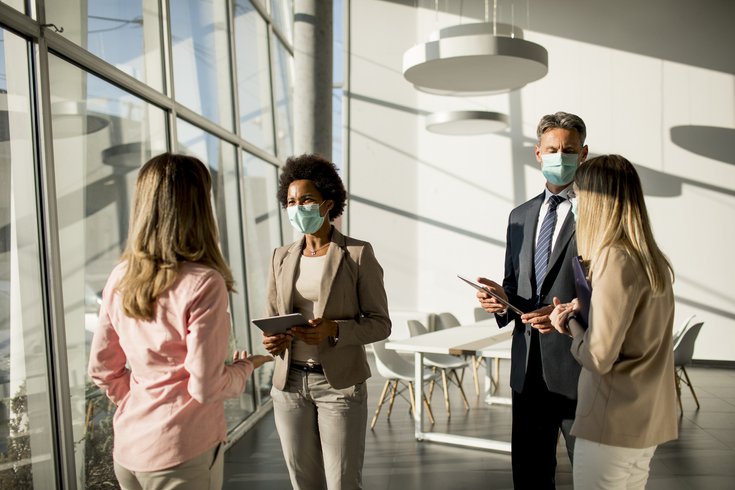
[[562, 120]]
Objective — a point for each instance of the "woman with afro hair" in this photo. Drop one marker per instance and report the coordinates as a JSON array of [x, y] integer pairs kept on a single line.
[[336, 283]]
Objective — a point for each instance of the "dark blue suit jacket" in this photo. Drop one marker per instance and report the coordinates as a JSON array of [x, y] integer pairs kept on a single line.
[[560, 369]]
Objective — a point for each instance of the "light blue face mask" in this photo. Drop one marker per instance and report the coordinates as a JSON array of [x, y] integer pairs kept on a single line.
[[305, 218], [558, 168]]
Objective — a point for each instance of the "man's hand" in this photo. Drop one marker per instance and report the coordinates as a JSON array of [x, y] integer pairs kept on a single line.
[[487, 302], [539, 319], [318, 332]]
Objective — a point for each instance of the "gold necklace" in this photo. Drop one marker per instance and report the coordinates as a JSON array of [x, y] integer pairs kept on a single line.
[[313, 251]]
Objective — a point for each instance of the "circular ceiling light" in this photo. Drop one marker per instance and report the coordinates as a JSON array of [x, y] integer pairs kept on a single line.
[[466, 123], [475, 59]]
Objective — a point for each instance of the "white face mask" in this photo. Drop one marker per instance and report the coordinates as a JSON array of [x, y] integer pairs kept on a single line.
[[306, 218]]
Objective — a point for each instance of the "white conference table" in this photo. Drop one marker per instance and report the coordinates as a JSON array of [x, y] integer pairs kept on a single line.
[[471, 339]]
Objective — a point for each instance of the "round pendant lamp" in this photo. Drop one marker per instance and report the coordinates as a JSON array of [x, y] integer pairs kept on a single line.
[[466, 123], [475, 59]]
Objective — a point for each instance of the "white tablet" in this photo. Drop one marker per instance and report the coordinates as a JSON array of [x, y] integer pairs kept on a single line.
[[279, 324]]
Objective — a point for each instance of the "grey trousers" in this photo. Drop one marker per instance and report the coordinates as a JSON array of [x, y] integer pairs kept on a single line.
[[322, 431], [203, 472]]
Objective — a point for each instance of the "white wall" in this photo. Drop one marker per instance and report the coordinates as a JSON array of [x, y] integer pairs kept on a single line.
[[434, 206]]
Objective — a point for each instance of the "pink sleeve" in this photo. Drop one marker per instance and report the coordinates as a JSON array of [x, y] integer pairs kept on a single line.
[[210, 379], [106, 357]]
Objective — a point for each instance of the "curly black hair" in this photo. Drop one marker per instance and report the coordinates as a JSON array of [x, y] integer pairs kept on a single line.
[[321, 172]]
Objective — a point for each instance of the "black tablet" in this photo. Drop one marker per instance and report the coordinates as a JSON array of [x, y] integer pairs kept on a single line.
[[279, 324]]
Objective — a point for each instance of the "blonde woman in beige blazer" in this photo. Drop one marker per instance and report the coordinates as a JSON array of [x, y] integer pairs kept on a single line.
[[626, 394], [319, 393]]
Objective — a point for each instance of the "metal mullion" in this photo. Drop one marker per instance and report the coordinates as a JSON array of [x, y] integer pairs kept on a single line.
[[168, 71], [347, 99], [19, 23], [51, 269]]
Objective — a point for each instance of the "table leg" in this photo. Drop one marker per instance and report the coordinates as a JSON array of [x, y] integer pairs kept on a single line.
[[419, 395]]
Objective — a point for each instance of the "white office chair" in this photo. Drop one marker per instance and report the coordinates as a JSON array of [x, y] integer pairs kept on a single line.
[[682, 328], [446, 364], [481, 314], [399, 373], [447, 320], [683, 352]]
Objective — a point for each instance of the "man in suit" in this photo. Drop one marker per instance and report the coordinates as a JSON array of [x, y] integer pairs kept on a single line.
[[539, 248]]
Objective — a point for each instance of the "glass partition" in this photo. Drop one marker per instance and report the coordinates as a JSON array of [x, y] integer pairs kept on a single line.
[[262, 218], [201, 59], [253, 76], [102, 135], [221, 159], [124, 33], [283, 95], [26, 451]]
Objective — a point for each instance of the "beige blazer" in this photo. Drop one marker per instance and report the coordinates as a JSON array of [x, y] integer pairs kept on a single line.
[[351, 293], [627, 395]]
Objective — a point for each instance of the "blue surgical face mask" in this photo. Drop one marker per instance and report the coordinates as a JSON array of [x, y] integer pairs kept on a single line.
[[305, 218], [558, 168]]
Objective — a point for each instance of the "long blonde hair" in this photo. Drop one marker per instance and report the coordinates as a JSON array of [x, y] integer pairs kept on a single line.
[[172, 222], [612, 212]]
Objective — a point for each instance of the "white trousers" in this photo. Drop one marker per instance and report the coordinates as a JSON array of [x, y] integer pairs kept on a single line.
[[602, 467]]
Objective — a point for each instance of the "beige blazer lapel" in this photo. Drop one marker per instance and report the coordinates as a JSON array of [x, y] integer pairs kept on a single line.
[[287, 275], [335, 255]]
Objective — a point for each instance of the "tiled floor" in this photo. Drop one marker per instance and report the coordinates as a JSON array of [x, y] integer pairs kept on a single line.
[[703, 458]]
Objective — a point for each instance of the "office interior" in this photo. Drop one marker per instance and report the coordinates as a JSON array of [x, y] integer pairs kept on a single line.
[[90, 90]]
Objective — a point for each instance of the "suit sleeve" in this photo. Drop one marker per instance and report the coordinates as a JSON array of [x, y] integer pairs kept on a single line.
[[510, 277], [106, 358], [616, 294], [272, 292], [373, 323], [207, 336]]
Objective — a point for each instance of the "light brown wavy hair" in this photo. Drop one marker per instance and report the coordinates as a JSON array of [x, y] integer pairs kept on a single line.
[[612, 212], [172, 222]]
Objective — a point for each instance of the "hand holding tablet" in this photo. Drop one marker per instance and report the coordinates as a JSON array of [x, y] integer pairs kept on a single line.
[[497, 297], [280, 324]]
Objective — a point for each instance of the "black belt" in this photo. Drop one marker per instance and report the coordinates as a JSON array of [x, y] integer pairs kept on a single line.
[[313, 368]]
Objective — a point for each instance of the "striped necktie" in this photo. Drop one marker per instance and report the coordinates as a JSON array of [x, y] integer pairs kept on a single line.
[[543, 244]]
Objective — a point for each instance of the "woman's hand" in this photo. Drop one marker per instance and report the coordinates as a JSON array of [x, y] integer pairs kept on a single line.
[[276, 344], [318, 332], [561, 313], [257, 359]]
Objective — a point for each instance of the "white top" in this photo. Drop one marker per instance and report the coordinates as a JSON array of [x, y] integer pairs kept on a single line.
[[306, 295], [562, 210]]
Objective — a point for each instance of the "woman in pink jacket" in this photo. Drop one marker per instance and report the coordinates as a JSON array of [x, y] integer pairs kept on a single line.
[[160, 346]]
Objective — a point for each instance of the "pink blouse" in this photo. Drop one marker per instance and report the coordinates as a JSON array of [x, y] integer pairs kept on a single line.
[[168, 376]]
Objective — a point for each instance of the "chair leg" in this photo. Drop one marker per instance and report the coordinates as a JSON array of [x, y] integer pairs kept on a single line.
[[689, 384], [380, 404], [428, 409], [461, 391], [476, 361], [411, 399], [392, 398], [677, 380], [446, 391], [432, 383]]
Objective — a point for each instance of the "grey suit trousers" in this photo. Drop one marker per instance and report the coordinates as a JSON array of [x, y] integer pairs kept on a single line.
[[322, 431]]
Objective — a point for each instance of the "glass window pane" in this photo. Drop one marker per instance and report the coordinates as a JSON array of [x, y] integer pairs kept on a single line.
[[221, 159], [283, 94], [282, 14], [26, 451], [253, 76], [125, 33], [201, 58], [262, 220], [102, 135]]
